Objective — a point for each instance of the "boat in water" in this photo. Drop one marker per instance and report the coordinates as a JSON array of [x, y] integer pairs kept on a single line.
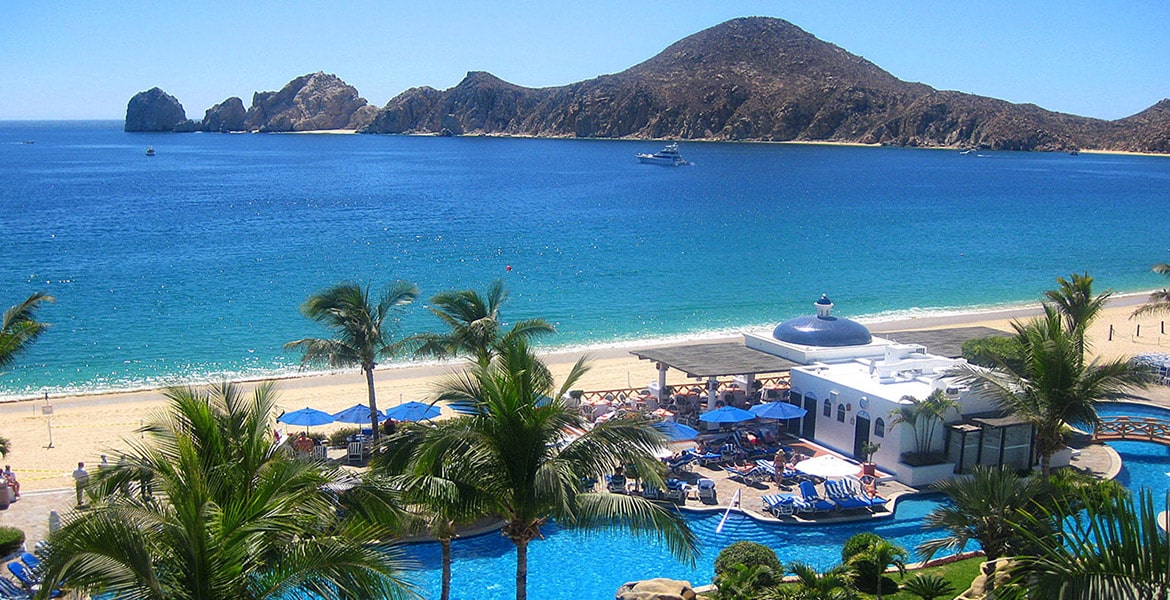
[[150, 151], [668, 156]]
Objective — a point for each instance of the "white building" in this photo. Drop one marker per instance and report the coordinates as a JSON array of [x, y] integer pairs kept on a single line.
[[852, 384]]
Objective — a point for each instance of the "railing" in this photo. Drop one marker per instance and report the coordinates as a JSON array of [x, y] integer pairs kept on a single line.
[[1145, 429], [620, 394]]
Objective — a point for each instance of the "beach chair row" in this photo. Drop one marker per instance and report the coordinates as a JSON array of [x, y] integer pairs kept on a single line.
[[843, 495], [27, 571]]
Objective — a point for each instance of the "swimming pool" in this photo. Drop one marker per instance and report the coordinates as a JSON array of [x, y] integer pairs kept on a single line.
[[591, 565]]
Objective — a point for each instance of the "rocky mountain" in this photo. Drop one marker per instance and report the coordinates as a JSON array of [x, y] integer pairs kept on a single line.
[[759, 78], [309, 102], [154, 110]]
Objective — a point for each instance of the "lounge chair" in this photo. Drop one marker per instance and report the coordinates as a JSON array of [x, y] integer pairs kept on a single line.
[[651, 492], [681, 463], [748, 475], [10, 591], [676, 491], [854, 487], [783, 504], [26, 579], [839, 493], [808, 492], [707, 492], [616, 484]]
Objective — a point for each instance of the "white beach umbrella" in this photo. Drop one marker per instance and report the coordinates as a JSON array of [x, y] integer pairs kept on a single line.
[[827, 465]]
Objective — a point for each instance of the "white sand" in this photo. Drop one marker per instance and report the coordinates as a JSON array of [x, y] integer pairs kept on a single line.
[[85, 426]]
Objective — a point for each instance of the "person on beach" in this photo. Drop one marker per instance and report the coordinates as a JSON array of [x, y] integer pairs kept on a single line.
[[303, 444], [11, 477], [105, 464], [778, 464], [80, 480]]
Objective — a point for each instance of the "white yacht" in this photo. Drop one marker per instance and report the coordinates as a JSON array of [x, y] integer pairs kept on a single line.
[[668, 156]]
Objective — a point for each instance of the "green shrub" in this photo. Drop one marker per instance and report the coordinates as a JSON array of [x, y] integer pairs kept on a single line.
[[869, 573], [929, 587], [11, 539], [857, 544], [992, 351], [750, 554], [338, 438]]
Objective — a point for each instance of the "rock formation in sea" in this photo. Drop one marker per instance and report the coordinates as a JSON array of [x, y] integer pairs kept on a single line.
[[310, 102], [759, 78], [225, 116], [154, 110]]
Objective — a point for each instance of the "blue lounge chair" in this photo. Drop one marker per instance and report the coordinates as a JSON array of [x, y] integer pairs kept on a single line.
[[839, 493], [683, 461], [616, 484], [707, 493], [784, 504], [10, 591], [26, 579], [809, 493], [854, 487], [676, 490], [31, 561]]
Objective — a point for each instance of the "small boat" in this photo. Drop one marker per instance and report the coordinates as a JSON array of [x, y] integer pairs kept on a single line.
[[1074, 152], [968, 151], [150, 150], [668, 156]]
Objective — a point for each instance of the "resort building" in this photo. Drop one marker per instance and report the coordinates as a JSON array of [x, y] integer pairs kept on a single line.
[[853, 384]]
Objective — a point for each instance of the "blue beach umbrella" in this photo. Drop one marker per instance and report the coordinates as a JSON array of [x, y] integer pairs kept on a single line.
[[676, 432], [727, 414], [413, 411], [306, 416], [358, 413], [778, 410]]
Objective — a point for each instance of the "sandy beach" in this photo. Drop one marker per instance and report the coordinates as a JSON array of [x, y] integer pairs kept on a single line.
[[82, 427]]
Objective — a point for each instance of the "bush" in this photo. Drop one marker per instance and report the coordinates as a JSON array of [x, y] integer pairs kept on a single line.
[[929, 587], [338, 438], [992, 351], [749, 554], [11, 540], [869, 574]]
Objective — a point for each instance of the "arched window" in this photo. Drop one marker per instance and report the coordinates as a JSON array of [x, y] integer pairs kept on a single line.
[[879, 428], [840, 413], [828, 408]]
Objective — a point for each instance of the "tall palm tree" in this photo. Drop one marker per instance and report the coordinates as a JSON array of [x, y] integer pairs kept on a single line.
[[924, 417], [1075, 301], [363, 332], [1159, 301], [476, 328], [1055, 387], [19, 327], [516, 450], [1116, 551], [233, 515], [984, 508]]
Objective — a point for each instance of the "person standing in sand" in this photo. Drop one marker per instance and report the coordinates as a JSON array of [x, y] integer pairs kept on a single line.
[[80, 480]]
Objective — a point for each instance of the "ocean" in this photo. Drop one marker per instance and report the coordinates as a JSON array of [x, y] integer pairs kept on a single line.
[[191, 265]]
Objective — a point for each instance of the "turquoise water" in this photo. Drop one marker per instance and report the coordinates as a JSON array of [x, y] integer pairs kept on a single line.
[[595, 564], [191, 264]]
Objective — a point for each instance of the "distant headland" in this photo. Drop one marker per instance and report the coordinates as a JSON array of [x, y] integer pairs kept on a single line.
[[751, 79]]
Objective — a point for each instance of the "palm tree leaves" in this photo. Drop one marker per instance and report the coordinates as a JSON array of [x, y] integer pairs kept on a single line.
[[361, 331], [19, 328], [231, 516], [1159, 301], [476, 329]]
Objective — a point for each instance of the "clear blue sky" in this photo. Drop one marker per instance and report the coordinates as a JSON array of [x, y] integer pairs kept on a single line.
[[77, 60]]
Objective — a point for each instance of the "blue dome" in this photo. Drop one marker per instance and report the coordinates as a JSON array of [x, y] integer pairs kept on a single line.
[[824, 331]]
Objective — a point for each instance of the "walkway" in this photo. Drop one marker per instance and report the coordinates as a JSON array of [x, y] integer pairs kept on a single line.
[[1142, 429]]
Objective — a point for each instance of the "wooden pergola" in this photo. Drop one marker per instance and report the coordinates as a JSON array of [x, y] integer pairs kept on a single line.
[[712, 360]]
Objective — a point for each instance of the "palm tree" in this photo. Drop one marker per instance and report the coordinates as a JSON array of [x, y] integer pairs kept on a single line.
[[516, 450], [1074, 300], [834, 584], [19, 328], [476, 328], [924, 417], [982, 508], [440, 502], [1159, 301], [929, 587], [875, 559], [1116, 551], [1055, 387], [363, 331], [234, 516]]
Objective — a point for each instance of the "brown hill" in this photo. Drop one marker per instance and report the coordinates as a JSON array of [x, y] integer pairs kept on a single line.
[[760, 78]]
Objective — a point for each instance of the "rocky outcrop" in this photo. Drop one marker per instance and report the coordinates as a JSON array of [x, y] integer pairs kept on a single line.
[[765, 79], [656, 589], [308, 103], [154, 110], [226, 116]]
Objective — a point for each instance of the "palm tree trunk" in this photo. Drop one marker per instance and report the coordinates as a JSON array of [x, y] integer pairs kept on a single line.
[[446, 586], [369, 369], [1045, 466], [521, 568]]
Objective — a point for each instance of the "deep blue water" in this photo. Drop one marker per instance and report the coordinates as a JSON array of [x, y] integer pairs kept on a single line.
[[191, 264]]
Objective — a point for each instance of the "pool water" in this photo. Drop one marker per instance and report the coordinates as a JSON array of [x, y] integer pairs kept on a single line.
[[590, 565]]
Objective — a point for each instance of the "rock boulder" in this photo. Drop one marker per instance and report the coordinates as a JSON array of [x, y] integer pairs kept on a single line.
[[154, 110], [656, 589], [226, 116]]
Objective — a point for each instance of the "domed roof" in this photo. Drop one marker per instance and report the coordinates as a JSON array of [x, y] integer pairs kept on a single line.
[[822, 329]]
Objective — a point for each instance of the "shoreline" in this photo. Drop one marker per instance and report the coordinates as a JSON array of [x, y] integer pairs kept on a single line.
[[46, 447], [903, 319]]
